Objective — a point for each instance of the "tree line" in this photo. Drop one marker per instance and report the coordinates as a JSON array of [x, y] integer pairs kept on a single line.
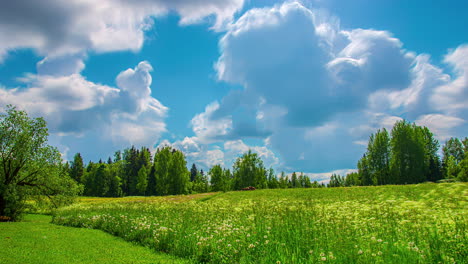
[[134, 172], [30, 168], [407, 155]]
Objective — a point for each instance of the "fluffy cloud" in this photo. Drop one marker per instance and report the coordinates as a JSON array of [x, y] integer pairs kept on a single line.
[[77, 108], [317, 92], [442, 125], [206, 156], [453, 97], [55, 27]]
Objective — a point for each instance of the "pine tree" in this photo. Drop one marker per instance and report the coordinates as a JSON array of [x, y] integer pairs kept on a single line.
[[193, 172], [77, 168]]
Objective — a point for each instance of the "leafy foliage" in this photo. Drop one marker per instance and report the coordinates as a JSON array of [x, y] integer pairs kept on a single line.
[[28, 165]]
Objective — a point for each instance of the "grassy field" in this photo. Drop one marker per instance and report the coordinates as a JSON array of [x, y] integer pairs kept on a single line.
[[424, 223], [36, 240]]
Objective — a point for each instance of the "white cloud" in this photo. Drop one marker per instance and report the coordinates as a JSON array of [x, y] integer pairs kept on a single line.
[[207, 155], [207, 128], [452, 98], [316, 92], [441, 125], [76, 108], [55, 27]]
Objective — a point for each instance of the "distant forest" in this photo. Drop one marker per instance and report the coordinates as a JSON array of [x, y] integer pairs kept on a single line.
[[406, 155]]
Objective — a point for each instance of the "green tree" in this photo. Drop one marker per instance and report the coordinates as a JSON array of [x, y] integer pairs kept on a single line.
[[294, 181], [283, 181], [432, 164], [452, 148], [115, 176], [273, 182], [336, 181], [179, 174], [142, 183], [408, 153], [364, 171], [193, 172], [352, 179], [452, 168], [248, 171], [77, 168], [162, 163], [151, 187], [217, 178], [378, 157], [28, 165], [463, 167]]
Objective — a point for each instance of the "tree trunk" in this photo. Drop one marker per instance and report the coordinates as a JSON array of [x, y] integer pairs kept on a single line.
[[2, 205]]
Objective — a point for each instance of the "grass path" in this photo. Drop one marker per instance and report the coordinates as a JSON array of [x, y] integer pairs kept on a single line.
[[36, 240]]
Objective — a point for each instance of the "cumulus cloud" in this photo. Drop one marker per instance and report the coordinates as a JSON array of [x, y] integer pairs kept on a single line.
[[453, 97], [441, 125], [74, 107], [55, 27], [207, 128], [206, 156], [316, 92]]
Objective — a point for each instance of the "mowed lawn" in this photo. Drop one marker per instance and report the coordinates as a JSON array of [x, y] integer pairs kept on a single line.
[[36, 240]]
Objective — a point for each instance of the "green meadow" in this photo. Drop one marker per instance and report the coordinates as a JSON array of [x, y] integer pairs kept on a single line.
[[36, 240], [424, 223]]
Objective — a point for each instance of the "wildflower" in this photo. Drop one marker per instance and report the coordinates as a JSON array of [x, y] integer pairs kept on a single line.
[[323, 259], [360, 252], [251, 246], [379, 253]]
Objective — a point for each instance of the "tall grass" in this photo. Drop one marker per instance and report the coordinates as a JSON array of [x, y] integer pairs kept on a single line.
[[424, 223]]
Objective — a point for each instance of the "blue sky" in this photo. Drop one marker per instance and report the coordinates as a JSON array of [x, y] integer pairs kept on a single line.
[[303, 83]]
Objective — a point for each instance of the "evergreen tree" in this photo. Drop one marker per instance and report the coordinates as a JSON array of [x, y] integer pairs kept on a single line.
[[151, 187], [77, 168], [294, 181], [131, 167], [307, 183], [193, 172]]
